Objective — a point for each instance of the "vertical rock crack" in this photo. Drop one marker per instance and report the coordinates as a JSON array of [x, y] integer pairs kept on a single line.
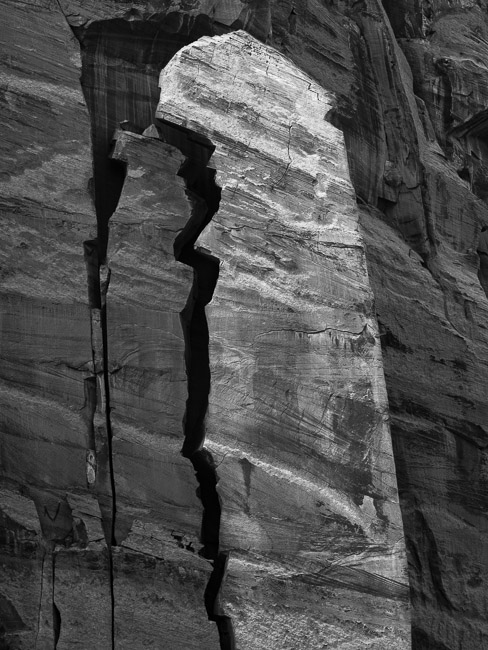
[[99, 464], [56, 612], [204, 196]]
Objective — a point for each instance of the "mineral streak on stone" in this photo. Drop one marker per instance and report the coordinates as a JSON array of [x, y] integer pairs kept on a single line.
[[160, 578], [297, 420]]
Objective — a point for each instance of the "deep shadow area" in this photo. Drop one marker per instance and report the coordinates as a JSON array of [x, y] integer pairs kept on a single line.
[[121, 62]]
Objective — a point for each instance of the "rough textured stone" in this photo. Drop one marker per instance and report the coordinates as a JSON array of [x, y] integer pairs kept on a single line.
[[47, 361], [435, 339], [406, 83], [296, 420]]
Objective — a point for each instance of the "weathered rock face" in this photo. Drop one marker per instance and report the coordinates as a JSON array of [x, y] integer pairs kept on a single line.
[[436, 340], [47, 371], [105, 542], [296, 420]]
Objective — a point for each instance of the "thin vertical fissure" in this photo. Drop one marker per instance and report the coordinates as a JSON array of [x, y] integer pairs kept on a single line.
[[56, 612], [100, 452], [204, 196], [105, 192], [99, 465], [104, 282], [39, 611]]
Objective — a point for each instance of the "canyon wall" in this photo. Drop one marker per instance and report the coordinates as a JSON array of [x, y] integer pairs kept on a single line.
[[225, 225]]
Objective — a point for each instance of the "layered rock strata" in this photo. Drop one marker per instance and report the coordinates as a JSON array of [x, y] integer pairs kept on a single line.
[[55, 512]]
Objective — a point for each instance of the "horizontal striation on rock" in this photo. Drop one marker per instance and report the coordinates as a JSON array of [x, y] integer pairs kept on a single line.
[[297, 414], [47, 364]]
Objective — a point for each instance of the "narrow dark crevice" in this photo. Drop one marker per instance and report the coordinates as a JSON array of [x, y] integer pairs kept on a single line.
[[106, 380], [100, 468], [56, 612], [90, 389], [97, 289], [204, 196], [482, 250], [112, 598], [41, 593], [108, 424]]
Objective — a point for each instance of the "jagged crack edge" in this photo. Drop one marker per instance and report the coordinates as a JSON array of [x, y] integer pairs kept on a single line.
[[204, 195]]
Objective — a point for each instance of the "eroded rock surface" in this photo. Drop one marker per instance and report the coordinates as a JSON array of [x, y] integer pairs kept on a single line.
[[406, 83]]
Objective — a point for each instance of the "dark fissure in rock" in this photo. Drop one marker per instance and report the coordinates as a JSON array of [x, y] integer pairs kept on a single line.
[[482, 251], [204, 196], [96, 299], [99, 454], [101, 450], [56, 612]]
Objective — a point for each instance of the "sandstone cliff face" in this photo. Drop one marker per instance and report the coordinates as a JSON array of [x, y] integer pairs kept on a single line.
[[279, 522], [297, 405]]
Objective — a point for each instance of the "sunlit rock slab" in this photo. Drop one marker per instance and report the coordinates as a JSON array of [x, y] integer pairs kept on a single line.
[[297, 415], [273, 608]]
